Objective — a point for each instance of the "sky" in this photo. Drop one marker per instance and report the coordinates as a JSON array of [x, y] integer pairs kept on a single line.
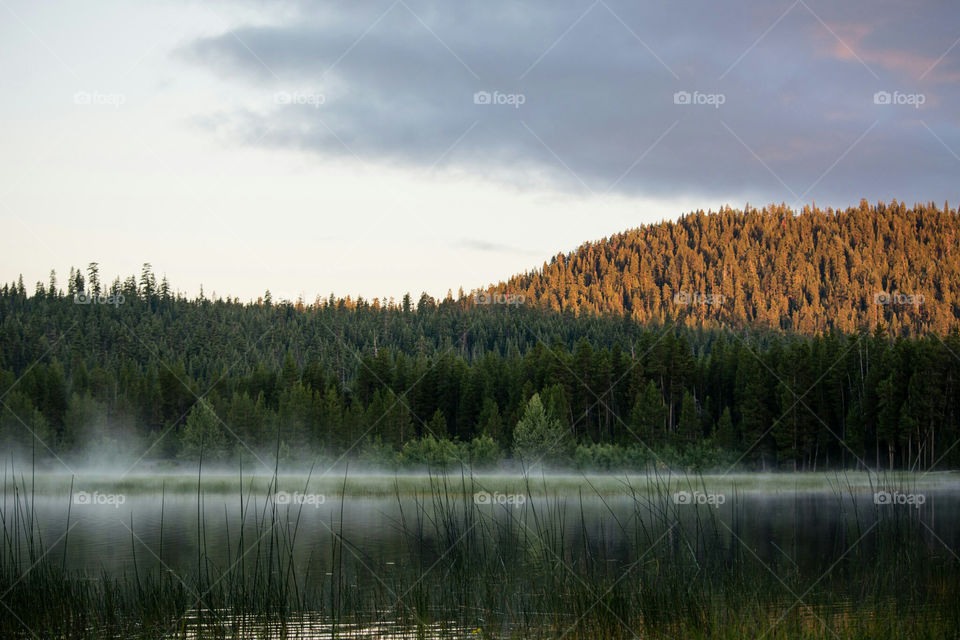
[[375, 148]]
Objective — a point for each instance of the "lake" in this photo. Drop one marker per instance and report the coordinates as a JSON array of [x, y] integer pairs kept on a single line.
[[366, 555]]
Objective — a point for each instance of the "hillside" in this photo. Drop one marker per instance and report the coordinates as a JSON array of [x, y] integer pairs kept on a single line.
[[156, 373], [808, 272], [780, 359]]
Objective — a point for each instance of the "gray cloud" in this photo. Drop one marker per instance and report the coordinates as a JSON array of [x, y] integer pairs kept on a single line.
[[597, 83]]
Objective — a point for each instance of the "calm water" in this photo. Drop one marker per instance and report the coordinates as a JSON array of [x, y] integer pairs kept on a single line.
[[401, 535], [109, 534]]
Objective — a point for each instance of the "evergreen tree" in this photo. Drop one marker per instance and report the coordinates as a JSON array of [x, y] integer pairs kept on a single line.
[[148, 282], [491, 425], [93, 277], [24, 431], [437, 425], [726, 436], [538, 438], [648, 418], [688, 428], [203, 434]]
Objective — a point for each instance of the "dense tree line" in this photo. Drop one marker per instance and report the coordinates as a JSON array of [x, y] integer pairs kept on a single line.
[[136, 368], [807, 272]]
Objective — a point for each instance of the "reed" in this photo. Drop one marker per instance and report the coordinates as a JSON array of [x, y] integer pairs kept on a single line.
[[542, 567]]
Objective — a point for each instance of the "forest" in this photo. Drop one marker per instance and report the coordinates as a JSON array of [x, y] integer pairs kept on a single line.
[[136, 371], [807, 272]]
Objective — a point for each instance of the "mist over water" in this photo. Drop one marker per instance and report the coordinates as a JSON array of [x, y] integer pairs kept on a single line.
[[800, 515], [336, 551]]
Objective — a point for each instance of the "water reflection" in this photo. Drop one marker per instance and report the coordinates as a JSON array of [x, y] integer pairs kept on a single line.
[[222, 624], [451, 562], [157, 534]]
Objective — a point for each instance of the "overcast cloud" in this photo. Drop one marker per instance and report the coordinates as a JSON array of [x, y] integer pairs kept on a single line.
[[787, 91], [310, 147]]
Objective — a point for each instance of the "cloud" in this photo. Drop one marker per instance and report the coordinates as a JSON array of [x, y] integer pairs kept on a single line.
[[585, 97], [871, 46], [478, 244]]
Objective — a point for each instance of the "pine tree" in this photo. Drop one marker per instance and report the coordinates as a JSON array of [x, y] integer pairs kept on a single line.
[[23, 428], [648, 417], [539, 439], [93, 277], [490, 423], [204, 434], [148, 283], [330, 432], [725, 434], [437, 425], [688, 428]]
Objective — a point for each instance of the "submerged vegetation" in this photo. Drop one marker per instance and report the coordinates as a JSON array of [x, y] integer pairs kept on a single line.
[[535, 565]]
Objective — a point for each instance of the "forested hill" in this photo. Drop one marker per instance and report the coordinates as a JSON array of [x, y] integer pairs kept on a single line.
[[139, 371], [806, 272]]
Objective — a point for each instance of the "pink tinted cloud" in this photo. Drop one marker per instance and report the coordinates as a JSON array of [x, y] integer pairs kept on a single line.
[[851, 43]]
